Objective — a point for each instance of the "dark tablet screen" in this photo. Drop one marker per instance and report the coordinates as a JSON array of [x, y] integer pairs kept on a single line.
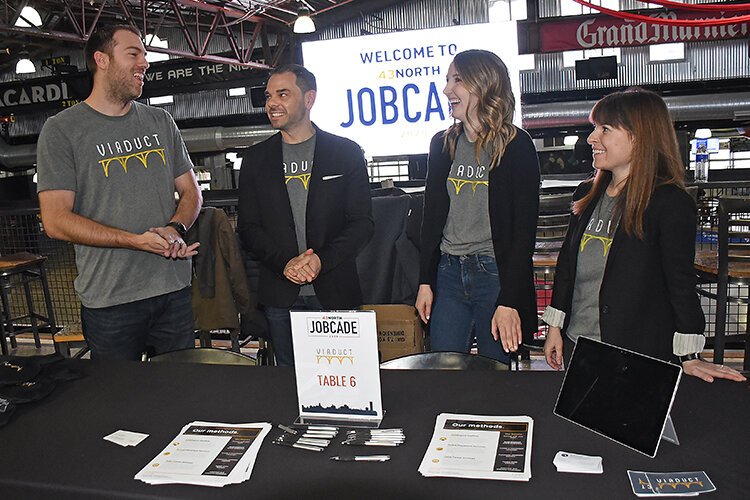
[[618, 393]]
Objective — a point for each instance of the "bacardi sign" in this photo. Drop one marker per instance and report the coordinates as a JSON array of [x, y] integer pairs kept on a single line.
[[602, 31]]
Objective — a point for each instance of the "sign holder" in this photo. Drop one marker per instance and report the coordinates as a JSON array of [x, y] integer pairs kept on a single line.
[[336, 368]]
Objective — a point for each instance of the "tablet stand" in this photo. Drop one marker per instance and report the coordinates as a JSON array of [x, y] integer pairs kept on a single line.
[[669, 434]]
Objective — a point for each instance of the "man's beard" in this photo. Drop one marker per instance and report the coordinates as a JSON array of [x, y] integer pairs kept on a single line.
[[119, 91]]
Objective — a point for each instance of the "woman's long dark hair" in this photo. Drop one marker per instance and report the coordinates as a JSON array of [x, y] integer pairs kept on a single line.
[[655, 159]]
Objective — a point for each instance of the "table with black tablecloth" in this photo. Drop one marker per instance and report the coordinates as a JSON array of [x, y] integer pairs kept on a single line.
[[54, 448]]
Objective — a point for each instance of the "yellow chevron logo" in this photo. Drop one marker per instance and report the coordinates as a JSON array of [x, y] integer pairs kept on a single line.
[[305, 178], [606, 242], [674, 486], [459, 183], [142, 156], [340, 359]]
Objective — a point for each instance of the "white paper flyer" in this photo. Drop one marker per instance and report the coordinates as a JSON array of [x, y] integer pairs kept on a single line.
[[480, 447]]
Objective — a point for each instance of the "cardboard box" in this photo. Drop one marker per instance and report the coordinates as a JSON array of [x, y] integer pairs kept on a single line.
[[399, 330]]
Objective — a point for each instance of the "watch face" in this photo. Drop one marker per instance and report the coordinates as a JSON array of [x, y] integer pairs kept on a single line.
[[179, 227], [689, 357]]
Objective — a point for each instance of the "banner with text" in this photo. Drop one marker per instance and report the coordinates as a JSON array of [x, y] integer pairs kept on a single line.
[[336, 365], [603, 31], [385, 91], [162, 78]]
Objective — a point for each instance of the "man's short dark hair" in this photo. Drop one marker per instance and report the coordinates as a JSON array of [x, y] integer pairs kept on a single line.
[[305, 79], [102, 40]]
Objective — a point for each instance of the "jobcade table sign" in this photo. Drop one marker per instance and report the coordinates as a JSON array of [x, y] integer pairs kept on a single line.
[[336, 366]]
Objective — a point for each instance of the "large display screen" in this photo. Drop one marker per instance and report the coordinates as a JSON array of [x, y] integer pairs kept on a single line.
[[386, 91]]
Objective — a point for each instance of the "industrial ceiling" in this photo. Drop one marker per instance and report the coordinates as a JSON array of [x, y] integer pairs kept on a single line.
[[244, 24]]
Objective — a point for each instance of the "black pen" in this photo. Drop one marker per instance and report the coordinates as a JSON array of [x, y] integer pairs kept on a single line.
[[287, 429], [361, 458]]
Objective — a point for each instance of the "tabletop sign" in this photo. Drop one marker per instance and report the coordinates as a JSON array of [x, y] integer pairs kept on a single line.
[[336, 364]]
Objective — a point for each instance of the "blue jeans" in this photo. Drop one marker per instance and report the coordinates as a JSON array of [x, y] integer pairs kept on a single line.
[[280, 327], [465, 295], [164, 322]]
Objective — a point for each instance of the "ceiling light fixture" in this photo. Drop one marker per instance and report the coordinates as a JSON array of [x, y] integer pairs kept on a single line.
[[29, 17], [24, 64], [304, 23]]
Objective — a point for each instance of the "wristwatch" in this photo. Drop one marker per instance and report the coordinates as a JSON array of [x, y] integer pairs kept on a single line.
[[178, 226], [689, 357]]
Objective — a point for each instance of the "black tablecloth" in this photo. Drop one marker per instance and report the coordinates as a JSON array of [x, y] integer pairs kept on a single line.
[[54, 448]]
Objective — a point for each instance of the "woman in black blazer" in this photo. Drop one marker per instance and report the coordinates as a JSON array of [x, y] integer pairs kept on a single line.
[[625, 272], [480, 211]]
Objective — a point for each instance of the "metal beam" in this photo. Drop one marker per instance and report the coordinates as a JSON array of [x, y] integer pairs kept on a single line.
[[198, 27], [210, 58]]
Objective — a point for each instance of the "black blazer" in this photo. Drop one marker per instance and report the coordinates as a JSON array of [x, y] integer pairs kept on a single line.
[[648, 289], [513, 205], [338, 219]]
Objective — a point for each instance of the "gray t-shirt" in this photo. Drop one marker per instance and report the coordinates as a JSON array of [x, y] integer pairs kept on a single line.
[[467, 229], [298, 165], [592, 259], [122, 170]]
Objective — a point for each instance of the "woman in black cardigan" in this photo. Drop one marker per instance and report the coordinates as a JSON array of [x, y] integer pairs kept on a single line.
[[625, 272], [480, 212]]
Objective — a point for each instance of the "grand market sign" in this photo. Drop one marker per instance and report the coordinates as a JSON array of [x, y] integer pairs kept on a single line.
[[602, 31]]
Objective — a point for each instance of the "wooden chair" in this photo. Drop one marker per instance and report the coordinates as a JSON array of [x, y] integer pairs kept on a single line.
[[71, 336], [443, 361], [728, 267]]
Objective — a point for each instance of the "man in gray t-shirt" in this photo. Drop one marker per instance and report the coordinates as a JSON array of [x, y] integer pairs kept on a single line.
[[108, 170]]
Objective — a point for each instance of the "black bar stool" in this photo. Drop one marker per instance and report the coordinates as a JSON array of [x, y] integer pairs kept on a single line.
[[22, 269]]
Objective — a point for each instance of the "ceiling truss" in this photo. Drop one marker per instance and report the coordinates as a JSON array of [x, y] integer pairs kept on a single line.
[[244, 27]]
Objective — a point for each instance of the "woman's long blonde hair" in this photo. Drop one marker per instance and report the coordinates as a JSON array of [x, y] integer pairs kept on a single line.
[[655, 160], [486, 77]]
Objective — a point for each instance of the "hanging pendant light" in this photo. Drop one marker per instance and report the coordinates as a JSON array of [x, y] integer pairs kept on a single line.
[[304, 23], [24, 64]]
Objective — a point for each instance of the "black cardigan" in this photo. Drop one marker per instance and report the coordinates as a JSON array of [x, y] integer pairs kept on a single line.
[[339, 219], [648, 288], [513, 206]]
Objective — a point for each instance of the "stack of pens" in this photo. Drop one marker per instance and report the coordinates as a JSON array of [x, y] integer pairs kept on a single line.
[[306, 437], [375, 437]]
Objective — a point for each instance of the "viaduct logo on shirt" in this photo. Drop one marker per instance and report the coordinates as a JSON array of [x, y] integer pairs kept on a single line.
[[468, 175], [595, 231], [297, 171], [122, 152], [606, 242]]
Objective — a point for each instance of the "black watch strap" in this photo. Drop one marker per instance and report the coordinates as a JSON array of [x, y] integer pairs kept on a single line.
[[689, 357], [178, 226]]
